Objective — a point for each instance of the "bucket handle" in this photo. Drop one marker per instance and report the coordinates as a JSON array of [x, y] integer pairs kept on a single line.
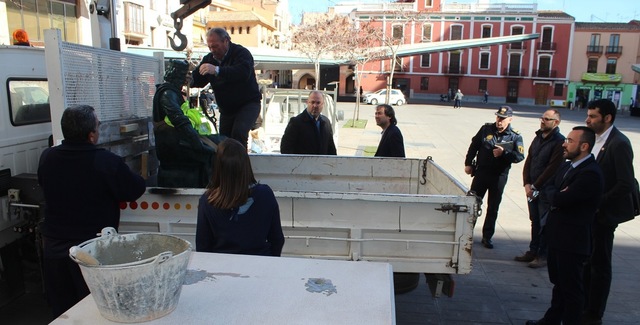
[[163, 257], [108, 232]]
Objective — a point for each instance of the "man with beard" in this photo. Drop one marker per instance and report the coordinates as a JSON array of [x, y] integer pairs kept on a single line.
[[575, 197], [310, 132], [614, 154], [495, 147], [543, 160], [391, 144]]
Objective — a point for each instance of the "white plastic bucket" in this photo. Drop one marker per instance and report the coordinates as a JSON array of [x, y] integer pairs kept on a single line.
[[140, 275]]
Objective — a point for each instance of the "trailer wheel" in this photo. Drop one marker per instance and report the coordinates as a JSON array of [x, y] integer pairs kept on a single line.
[[405, 282]]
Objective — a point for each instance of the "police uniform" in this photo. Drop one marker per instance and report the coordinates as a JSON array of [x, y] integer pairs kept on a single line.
[[491, 172]]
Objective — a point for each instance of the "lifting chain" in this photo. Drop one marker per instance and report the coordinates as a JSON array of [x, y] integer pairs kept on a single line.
[[424, 170]]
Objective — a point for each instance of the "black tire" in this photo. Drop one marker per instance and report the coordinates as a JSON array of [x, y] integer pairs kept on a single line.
[[405, 282], [374, 101], [400, 102]]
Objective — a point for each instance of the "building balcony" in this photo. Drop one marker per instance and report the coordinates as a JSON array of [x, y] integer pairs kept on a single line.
[[614, 50], [517, 46], [546, 46], [594, 49], [544, 73], [454, 70], [511, 72]]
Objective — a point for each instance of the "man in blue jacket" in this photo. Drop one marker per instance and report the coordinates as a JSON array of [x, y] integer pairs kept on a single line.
[[230, 70]]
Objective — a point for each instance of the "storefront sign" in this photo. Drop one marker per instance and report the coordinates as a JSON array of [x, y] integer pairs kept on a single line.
[[602, 77]]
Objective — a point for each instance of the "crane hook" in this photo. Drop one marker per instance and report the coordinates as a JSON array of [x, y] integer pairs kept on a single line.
[[183, 41]]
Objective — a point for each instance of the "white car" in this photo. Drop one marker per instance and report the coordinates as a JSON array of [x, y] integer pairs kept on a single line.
[[396, 97]]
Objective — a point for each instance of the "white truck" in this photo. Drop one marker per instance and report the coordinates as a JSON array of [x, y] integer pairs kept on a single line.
[[408, 212]]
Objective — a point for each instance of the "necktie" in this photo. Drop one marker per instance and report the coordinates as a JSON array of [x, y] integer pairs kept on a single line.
[[568, 171]]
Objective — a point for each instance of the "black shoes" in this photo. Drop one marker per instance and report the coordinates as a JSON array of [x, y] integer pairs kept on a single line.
[[487, 243], [587, 319]]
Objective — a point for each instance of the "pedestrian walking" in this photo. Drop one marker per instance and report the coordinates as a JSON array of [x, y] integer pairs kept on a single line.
[[457, 99]]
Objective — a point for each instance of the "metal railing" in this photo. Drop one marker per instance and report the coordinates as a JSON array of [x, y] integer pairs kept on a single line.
[[614, 49], [517, 46], [546, 46], [545, 73], [512, 72], [454, 70], [592, 49]]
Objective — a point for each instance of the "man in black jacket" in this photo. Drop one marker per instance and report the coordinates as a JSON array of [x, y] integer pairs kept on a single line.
[[495, 147], [309, 133], [83, 186], [391, 143], [575, 197], [614, 154], [230, 70], [543, 160]]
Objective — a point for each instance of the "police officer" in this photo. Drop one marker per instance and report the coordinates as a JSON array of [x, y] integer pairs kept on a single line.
[[495, 147]]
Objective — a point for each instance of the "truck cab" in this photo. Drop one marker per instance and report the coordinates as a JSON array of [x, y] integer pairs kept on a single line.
[[25, 126], [25, 129]]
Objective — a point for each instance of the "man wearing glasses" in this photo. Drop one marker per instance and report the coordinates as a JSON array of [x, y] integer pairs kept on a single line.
[[543, 160], [495, 147]]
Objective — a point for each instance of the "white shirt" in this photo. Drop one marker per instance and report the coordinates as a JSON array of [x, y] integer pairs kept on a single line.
[[600, 140]]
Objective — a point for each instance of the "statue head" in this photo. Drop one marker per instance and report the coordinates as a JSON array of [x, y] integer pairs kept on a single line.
[[176, 72]]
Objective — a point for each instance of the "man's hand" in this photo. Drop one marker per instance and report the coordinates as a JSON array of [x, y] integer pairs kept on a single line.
[[207, 68], [528, 191], [468, 169], [498, 151]]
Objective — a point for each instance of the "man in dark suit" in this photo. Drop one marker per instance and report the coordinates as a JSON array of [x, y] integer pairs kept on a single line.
[[310, 132], [391, 143], [614, 154], [575, 197]]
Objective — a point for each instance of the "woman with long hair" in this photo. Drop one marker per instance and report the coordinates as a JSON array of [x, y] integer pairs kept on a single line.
[[236, 214]]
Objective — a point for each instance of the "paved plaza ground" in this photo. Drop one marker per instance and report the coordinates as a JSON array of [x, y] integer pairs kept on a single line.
[[498, 290]]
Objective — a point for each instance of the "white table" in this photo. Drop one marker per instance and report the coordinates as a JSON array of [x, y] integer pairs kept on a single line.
[[241, 289]]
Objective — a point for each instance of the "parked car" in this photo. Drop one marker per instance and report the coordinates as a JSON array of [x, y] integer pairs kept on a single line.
[[396, 98]]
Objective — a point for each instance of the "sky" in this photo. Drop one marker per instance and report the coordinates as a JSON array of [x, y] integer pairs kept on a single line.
[[582, 10]]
